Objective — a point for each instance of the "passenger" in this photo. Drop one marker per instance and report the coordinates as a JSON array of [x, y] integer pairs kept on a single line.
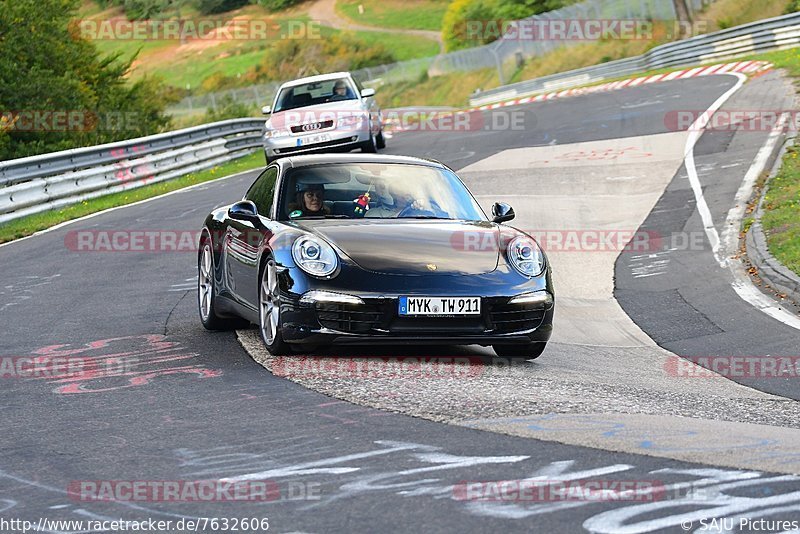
[[309, 202]]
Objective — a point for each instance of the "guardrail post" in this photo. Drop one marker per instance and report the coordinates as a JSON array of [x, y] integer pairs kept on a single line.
[[499, 66]]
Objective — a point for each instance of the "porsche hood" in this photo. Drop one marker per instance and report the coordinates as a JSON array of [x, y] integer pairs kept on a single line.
[[415, 246]]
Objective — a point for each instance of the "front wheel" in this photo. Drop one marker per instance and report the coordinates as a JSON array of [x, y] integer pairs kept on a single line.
[[380, 141], [269, 310], [529, 351], [370, 145]]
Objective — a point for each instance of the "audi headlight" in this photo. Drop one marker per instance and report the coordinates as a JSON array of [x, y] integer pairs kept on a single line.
[[271, 134], [314, 256], [350, 121], [526, 256]]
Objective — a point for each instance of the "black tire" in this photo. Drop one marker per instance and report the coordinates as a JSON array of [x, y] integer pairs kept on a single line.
[[370, 146], [269, 302], [530, 351], [380, 141], [206, 297], [267, 158]]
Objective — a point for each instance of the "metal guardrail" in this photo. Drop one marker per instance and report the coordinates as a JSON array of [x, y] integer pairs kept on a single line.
[[50, 181], [762, 36]]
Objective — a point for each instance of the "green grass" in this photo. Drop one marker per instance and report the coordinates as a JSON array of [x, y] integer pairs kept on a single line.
[[186, 66], [403, 47], [33, 223], [403, 14], [781, 218]]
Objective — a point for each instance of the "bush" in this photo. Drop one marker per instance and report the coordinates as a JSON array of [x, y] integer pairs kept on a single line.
[[793, 6], [460, 12], [45, 68], [207, 7], [227, 108], [294, 58], [275, 5]]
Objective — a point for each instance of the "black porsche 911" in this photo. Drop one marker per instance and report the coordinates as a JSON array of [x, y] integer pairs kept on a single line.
[[365, 249]]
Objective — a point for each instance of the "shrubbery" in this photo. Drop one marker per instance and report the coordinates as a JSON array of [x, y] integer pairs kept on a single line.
[[227, 108], [219, 6], [294, 58], [148, 9], [459, 12], [291, 58], [45, 69]]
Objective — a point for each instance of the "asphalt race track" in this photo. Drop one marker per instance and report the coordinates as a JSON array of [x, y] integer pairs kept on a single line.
[[171, 401]]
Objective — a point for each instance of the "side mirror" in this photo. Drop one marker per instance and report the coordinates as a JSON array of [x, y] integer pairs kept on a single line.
[[266, 110], [367, 92], [502, 212], [244, 210]]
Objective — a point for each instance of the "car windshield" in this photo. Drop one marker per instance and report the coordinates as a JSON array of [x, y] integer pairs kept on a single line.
[[313, 93], [376, 191]]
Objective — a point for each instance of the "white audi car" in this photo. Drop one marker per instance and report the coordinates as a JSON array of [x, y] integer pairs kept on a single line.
[[325, 113]]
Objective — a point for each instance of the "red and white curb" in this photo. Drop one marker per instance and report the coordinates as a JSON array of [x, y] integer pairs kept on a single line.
[[745, 67]]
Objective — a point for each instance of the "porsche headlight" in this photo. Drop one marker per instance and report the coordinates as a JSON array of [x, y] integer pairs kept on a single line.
[[314, 256], [526, 256]]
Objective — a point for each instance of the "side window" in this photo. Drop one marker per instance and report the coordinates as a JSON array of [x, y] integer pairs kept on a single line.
[[262, 191]]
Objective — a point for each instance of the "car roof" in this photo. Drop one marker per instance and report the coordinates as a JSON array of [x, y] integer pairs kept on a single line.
[[321, 159], [317, 78]]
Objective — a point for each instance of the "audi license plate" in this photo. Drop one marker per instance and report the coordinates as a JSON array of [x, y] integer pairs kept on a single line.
[[313, 139], [443, 306]]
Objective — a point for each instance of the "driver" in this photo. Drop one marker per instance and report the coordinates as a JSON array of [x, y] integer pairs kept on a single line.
[[309, 201], [339, 90], [382, 204], [411, 203]]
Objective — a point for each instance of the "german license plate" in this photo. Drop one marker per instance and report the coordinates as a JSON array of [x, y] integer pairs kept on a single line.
[[313, 139], [443, 306]]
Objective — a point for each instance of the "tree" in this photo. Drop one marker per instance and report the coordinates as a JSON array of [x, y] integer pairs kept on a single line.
[[47, 69]]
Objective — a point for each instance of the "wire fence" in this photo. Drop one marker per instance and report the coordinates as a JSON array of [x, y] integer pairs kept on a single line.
[[506, 54]]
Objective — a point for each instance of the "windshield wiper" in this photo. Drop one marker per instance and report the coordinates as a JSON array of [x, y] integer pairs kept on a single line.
[[426, 217], [337, 216]]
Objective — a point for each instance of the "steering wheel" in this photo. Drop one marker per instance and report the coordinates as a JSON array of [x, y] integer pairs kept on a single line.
[[411, 211]]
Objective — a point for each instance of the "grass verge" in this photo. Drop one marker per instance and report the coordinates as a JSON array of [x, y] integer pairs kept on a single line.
[[33, 223], [781, 217], [403, 14]]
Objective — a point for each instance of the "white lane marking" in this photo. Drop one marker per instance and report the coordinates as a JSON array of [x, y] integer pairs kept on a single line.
[[741, 281], [722, 250], [695, 131], [730, 234], [79, 219]]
